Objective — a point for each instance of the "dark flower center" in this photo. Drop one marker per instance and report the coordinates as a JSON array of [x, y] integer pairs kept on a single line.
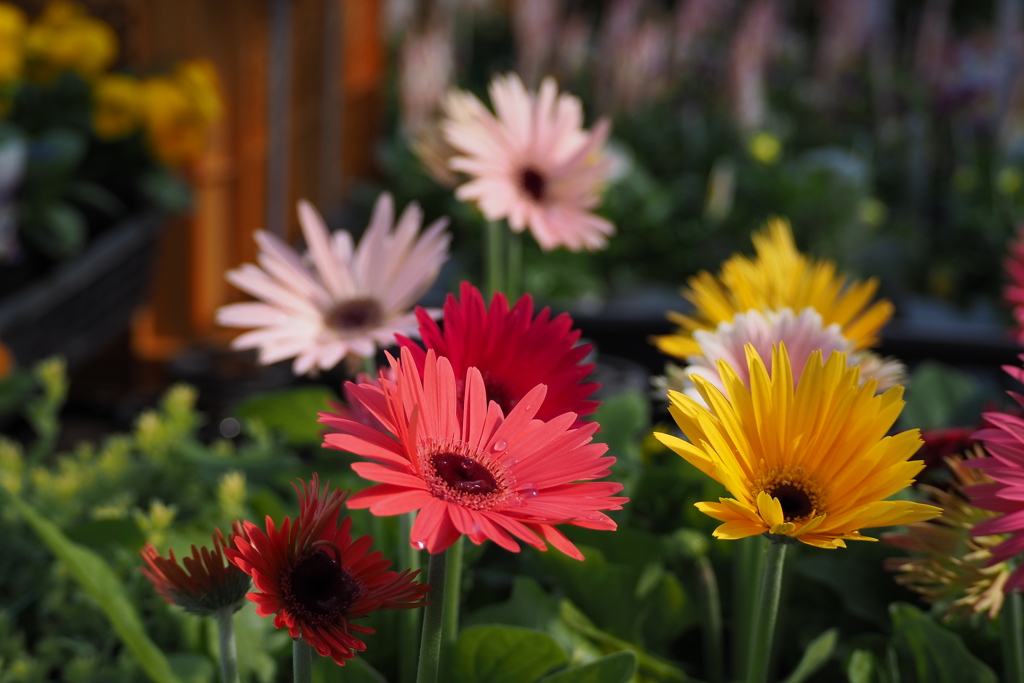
[[533, 183], [318, 589], [795, 501], [355, 314], [462, 474]]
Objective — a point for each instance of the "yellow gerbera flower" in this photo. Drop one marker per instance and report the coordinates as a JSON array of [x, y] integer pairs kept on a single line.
[[778, 277], [811, 462]]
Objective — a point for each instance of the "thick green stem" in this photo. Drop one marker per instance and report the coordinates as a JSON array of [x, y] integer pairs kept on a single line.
[[494, 257], [712, 621], [228, 649], [302, 661], [767, 613], [409, 626], [441, 616], [746, 573], [514, 269], [1012, 630]]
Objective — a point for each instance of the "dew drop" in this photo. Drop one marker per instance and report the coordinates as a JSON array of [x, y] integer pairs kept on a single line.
[[419, 545], [528, 491], [529, 407], [500, 445]]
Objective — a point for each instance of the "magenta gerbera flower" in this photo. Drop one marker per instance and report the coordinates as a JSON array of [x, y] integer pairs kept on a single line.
[[1003, 439], [513, 350], [469, 468], [533, 164]]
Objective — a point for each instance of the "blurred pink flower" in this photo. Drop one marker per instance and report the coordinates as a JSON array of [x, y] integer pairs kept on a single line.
[[1014, 291], [802, 334], [533, 164], [340, 299], [1003, 439]]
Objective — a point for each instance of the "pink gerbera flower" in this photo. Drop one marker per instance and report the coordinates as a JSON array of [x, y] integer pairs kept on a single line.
[[340, 299], [1004, 441], [1014, 291], [513, 351], [802, 334], [470, 469], [533, 164]]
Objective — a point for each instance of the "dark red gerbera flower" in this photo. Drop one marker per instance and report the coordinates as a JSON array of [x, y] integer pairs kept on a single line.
[[316, 579], [513, 351], [202, 584]]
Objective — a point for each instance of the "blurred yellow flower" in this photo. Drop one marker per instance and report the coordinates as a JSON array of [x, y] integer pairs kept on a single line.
[[118, 106], [12, 41], [179, 111], [1009, 180], [66, 38], [765, 147]]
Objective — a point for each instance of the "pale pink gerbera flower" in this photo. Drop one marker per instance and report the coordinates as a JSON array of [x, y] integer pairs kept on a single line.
[[802, 334], [339, 299], [533, 164]]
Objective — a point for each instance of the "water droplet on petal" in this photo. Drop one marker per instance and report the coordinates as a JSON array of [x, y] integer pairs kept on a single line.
[[529, 407], [500, 445], [419, 545], [528, 491]]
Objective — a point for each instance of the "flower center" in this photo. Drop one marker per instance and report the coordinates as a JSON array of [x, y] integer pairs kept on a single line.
[[355, 314], [463, 474], [533, 183], [317, 589], [799, 497]]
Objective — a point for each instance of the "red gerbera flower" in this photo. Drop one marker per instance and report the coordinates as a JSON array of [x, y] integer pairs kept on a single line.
[[317, 579], [513, 351], [202, 584], [469, 468]]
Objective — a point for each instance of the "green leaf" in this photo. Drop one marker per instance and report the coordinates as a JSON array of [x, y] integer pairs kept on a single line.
[[293, 412], [929, 653], [166, 191], [505, 654], [940, 395], [860, 667], [815, 656], [99, 582], [96, 196], [357, 670], [105, 532], [51, 159], [55, 229], [615, 668], [192, 668]]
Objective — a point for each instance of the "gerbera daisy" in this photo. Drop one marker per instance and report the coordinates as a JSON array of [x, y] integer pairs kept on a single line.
[[779, 277], [807, 460], [317, 579], [513, 351], [202, 584], [949, 567], [802, 334], [341, 299], [470, 469], [1014, 291], [532, 164], [1003, 439]]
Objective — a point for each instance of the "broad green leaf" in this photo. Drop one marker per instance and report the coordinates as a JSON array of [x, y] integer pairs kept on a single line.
[[166, 191], [623, 417], [815, 656], [357, 670], [293, 412], [505, 654], [940, 395], [192, 668], [615, 668], [929, 653], [860, 666], [100, 583]]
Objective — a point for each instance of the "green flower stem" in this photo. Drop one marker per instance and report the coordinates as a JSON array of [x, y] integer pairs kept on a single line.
[[712, 621], [1012, 630], [494, 257], [228, 649], [514, 267], [302, 661], [747, 569], [441, 616], [409, 626], [767, 612], [370, 366]]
